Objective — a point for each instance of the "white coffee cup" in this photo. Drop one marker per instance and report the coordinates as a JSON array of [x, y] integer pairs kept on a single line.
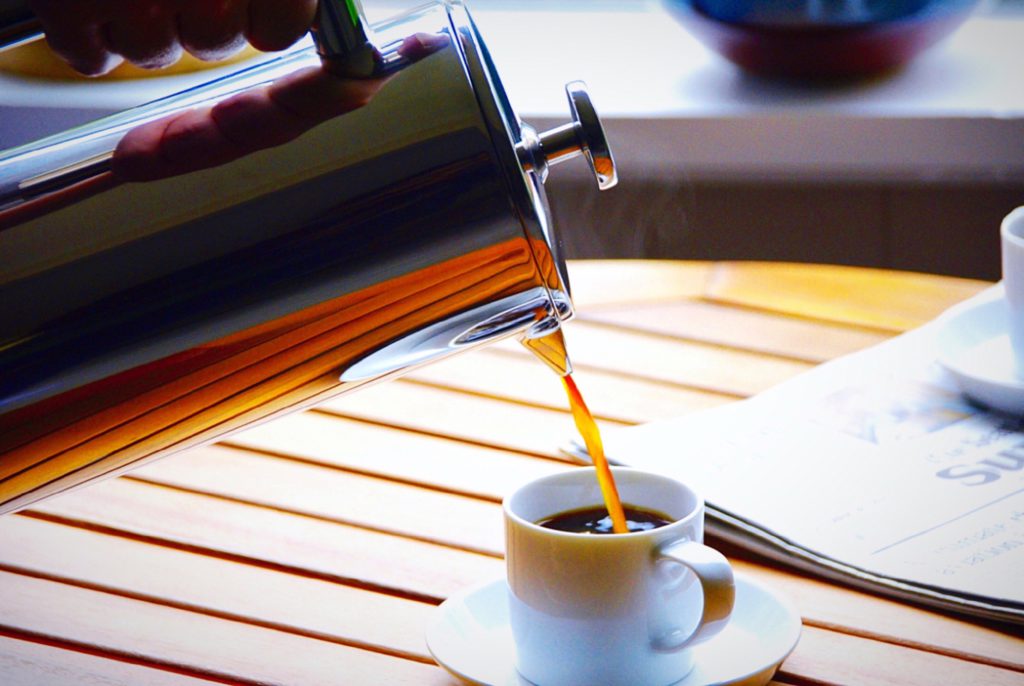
[[1011, 234], [611, 609]]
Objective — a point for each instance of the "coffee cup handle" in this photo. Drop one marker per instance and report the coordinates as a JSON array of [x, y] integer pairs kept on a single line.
[[717, 585]]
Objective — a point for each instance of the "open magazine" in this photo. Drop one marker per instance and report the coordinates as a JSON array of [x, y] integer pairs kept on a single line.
[[872, 469]]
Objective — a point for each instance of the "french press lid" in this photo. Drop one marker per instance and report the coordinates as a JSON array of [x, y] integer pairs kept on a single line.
[[526, 155]]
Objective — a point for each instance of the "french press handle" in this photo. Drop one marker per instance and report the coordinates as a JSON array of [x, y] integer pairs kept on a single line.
[[584, 135]]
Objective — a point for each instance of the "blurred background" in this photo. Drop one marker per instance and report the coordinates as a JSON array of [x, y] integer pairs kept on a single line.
[[909, 166]]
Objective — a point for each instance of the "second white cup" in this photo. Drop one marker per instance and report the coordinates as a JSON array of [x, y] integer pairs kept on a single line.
[[1011, 234]]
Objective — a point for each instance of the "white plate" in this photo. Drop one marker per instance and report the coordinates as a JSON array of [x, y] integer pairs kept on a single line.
[[470, 638], [974, 347]]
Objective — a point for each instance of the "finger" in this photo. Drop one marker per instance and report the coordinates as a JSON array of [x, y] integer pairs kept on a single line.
[[146, 36], [177, 144], [194, 141], [253, 121], [82, 47], [213, 29], [316, 95], [276, 24], [137, 155], [204, 137], [242, 124], [420, 45]]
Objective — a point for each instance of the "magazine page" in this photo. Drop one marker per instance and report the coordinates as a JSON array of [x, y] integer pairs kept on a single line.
[[874, 460]]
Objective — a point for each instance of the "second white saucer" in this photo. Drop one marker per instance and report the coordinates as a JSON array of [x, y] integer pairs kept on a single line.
[[470, 637], [974, 347]]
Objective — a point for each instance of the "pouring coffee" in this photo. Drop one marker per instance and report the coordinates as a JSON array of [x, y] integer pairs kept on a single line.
[[143, 316]]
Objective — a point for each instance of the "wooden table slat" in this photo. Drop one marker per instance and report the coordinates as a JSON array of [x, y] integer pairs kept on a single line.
[[192, 641], [702, 366], [486, 421], [403, 455], [25, 662], [827, 605], [380, 504], [832, 657], [715, 323], [216, 586], [514, 375], [884, 299], [604, 282], [275, 539]]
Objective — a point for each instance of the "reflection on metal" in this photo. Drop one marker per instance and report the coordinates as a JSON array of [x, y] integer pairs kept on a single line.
[[483, 324], [62, 177], [139, 319]]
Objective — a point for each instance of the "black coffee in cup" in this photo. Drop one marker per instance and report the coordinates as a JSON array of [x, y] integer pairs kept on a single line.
[[596, 520]]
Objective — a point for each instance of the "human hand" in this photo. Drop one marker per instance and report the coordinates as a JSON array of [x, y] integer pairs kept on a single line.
[[95, 36]]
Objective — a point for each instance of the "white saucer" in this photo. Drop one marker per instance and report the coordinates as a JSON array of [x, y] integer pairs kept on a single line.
[[470, 638], [974, 347]]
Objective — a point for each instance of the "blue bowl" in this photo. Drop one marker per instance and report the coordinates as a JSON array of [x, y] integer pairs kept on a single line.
[[823, 38]]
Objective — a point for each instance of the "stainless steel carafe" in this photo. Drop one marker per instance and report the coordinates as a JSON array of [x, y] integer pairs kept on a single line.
[[142, 313]]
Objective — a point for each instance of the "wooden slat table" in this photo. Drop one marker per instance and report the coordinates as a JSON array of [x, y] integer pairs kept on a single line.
[[312, 550]]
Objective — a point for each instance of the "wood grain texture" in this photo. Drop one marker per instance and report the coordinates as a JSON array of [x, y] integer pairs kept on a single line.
[[716, 323], [312, 549], [191, 641], [605, 282], [826, 605], [25, 662], [698, 365], [875, 298], [333, 495], [404, 455], [484, 421], [512, 374], [836, 657], [273, 539], [210, 585]]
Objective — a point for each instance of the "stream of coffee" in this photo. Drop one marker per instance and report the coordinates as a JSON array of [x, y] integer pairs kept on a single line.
[[587, 427]]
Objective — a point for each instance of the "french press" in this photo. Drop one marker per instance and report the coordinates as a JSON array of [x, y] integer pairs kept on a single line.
[[143, 316]]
